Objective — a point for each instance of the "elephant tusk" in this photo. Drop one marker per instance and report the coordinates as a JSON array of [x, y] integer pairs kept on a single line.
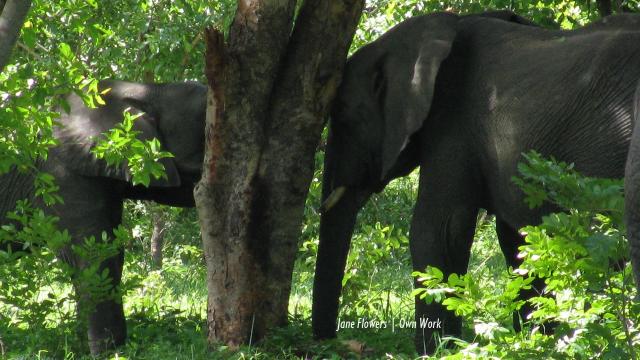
[[332, 199]]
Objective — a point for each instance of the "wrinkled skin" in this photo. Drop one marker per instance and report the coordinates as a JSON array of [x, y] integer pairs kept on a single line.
[[93, 192], [632, 192], [463, 97]]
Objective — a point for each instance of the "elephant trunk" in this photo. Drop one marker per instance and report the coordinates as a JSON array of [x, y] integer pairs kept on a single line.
[[336, 228], [344, 192]]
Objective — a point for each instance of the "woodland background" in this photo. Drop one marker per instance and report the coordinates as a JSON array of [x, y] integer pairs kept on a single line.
[[67, 44]]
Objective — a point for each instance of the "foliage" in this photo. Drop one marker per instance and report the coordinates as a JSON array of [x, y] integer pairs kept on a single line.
[[34, 282], [66, 45], [581, 254], [63, 48], [27, 292], [380, 15], [563, 183], [142, 157]]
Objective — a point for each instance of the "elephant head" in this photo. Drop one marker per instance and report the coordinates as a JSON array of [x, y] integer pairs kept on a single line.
[[385, 97], [173, 113], [383, 100]]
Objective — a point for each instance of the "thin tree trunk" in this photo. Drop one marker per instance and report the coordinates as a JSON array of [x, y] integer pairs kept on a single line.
[[11, 20], [270, 91], [157, 238]]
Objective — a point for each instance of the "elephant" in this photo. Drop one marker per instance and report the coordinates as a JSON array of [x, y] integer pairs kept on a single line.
[[463, 97], [632, 192], [93, 192]]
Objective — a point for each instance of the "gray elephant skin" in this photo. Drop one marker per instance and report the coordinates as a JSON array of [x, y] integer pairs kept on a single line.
[[463, 97], [632, 192], [93, 192]]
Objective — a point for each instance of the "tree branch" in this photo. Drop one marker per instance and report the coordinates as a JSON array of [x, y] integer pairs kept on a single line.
[[11, 20]]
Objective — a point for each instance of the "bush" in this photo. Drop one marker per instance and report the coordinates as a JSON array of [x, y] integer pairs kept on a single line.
[[581, 254]]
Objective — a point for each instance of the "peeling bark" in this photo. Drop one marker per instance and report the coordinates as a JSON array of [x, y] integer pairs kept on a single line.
[[241, 74], [270, 89]]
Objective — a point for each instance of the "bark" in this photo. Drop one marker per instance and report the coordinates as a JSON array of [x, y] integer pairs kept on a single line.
[[270, 90], [311, 74], [157, 238], [11, 20], [241, 75]]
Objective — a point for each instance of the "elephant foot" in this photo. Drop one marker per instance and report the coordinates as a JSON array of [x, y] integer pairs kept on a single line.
[[429, 329], [107, 328], [425, 341], [324, 332], [548, 327]]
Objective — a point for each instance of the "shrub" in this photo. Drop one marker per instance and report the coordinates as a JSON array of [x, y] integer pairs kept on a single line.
[[581, 255]]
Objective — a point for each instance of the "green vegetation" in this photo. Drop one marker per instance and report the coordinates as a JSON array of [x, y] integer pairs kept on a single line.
[[66, 45], [580, 253]]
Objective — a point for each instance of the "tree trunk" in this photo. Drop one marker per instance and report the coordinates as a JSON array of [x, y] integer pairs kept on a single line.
[[157, 238], [310, 78], [604, 7], [11, 20], [270, 90], [241, 75]]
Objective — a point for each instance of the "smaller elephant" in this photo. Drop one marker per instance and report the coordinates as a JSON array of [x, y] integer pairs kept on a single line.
[[93, 192]]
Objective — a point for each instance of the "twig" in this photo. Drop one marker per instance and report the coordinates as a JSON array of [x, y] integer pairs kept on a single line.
[[29, 50]]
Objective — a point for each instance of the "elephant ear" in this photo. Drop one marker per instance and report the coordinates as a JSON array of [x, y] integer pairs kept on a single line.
[[410, 73], [80, 129]]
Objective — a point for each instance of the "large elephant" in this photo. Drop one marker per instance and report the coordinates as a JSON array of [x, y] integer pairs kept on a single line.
[[632, 192], [93, 192], [463, 97]]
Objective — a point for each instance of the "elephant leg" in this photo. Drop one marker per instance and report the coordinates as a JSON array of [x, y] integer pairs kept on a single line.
[[442, 232], [102, 318], [632, 218], [510, 240], [632, 194], [106, 325], [92, 207]]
